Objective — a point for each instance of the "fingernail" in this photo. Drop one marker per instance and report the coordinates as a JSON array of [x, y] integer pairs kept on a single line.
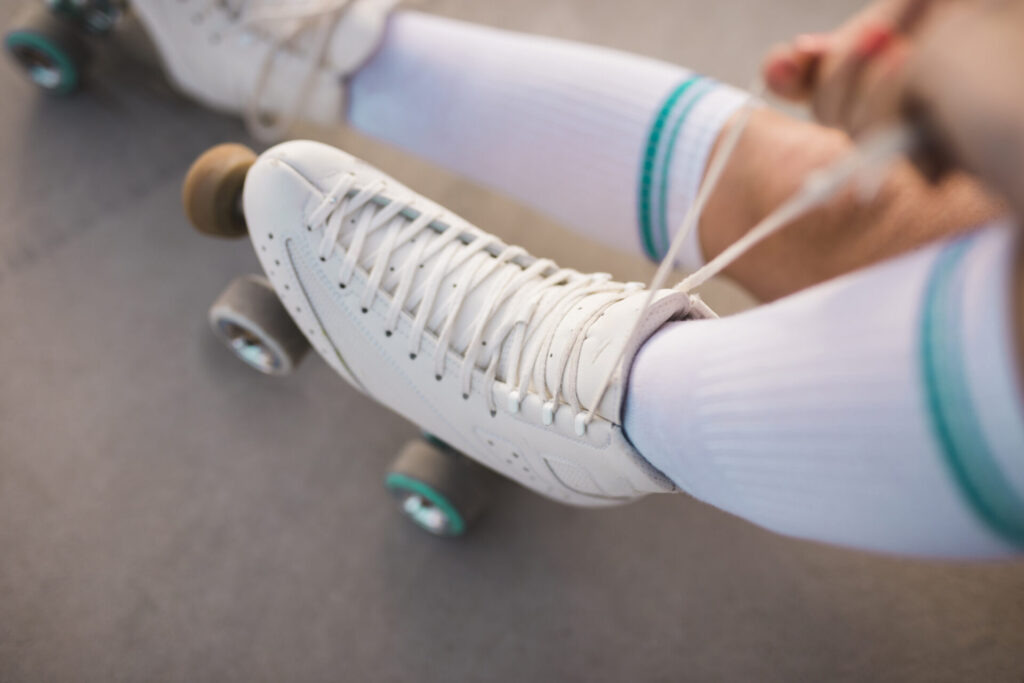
[[873, 40], [784, 70]]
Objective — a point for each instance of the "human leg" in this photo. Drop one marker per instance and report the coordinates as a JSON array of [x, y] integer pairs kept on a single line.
[[615, 145], [882, 410], [611, 144]]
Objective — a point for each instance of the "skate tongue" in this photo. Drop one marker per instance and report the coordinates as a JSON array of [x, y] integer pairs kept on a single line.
[[606, 336]]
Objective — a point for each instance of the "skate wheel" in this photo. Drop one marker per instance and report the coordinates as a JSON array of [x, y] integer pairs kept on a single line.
[[440, 490], [95, 16], [250, 319], [212, 193], [48, 50]]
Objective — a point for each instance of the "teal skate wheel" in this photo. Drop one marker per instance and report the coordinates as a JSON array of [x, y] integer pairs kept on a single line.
[[440, 490], [48, 51]]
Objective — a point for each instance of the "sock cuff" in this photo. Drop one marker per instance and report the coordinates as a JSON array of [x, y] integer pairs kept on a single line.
[[678, 146], [971, 376]]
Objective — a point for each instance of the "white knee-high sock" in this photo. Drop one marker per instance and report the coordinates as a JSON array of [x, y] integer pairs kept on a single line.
[[611, 144], [881, 411]]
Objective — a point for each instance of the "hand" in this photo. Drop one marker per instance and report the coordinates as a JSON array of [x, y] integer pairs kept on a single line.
[[962, 82], [952, 68], [792, 70], [851, 77]]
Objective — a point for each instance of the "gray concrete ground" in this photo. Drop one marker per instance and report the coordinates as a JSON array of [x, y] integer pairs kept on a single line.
[[166, 514]]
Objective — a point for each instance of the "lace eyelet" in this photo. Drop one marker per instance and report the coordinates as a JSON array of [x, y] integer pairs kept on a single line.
[[387, 333], [548, 413], [438, 377], [465, 397], [581, 424], [494, 413], [412, 356], [365, 310]]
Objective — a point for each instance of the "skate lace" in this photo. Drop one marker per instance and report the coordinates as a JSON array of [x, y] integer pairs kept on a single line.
[[513, 332], [864, 167], [315, 18]]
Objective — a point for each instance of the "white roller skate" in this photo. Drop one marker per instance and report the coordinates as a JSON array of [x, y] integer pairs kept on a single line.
[[495, 353], [274, 61]]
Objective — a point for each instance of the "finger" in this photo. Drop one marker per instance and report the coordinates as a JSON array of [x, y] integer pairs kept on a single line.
[[881, 92], [837, 90], [814, 45], [811, 52], [781, 73], [833, 91], [789, 69], [910, 15]]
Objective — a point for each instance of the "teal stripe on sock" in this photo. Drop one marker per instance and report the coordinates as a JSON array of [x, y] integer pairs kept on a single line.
[[648, 167], [666, 167], [954, 418]]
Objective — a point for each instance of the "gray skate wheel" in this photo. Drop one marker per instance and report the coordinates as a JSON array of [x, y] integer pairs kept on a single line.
[[212, 192], [49, 50], [439, 489], [250, 319]]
